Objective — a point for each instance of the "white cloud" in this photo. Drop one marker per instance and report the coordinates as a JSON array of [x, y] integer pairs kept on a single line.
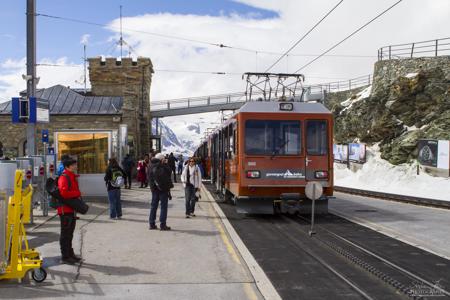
[[11, 82]]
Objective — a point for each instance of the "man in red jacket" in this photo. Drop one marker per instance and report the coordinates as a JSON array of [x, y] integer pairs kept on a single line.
[[68, 188]]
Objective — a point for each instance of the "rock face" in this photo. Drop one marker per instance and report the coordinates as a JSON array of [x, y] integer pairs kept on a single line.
[[409, 100]]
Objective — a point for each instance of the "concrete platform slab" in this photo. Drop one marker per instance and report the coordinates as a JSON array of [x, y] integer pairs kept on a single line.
[[420, 226], [123, 259]]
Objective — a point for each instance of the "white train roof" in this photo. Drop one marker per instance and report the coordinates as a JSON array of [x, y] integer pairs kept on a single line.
[[273, 107]]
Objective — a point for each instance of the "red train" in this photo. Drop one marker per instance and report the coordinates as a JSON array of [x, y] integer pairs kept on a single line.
[[264, 155]]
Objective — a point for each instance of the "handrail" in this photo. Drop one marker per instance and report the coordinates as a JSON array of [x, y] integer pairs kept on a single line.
[[432, 47]]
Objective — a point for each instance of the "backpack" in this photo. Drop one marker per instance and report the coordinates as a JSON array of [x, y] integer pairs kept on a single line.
[[117, 179], [162, 180], [51, 187]]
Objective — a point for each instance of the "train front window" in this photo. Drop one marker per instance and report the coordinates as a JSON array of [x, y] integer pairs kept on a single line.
[[272, 137], [316, 137]]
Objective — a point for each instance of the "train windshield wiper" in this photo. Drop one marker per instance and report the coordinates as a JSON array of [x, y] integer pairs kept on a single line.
[[275, 152]]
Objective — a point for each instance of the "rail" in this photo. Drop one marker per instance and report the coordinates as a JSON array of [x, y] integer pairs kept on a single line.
[[435, 47], [395, 197]]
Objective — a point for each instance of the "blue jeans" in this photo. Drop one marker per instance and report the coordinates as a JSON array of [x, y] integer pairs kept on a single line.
[[115, 204], [189, 193], [158, 196]]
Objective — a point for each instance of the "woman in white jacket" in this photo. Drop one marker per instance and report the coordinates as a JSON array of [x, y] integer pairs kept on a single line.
[[192, 180]]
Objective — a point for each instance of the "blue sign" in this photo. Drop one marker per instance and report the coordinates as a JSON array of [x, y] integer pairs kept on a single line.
[[51, 150], [45, 136]]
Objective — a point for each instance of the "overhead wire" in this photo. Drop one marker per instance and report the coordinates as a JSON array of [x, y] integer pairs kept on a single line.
[[350, 35], [220, 45], [303, 37]]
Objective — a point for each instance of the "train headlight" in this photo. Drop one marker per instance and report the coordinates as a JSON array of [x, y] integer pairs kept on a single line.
[[287, 106], [253, 174], [321, 174]]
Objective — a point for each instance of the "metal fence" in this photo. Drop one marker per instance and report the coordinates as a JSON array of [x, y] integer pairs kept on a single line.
[[344, 85], [417, 49]]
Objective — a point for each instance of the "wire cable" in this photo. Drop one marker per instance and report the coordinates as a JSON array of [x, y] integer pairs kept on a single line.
[[303, 37], [220, 45], [350, 35]]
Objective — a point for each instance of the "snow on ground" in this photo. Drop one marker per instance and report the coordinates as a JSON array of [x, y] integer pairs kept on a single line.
[[360, 96], [379, 175]]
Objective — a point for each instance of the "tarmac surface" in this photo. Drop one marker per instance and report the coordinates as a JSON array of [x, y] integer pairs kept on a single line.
[[420, 226], [123, 259]]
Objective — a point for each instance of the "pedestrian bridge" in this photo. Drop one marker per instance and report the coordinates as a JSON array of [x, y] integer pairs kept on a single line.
[[233, 101]]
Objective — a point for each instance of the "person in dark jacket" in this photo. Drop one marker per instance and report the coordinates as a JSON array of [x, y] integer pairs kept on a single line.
[[68, 188], [160, 185], [172, 162], [127, 166], [113, 184]]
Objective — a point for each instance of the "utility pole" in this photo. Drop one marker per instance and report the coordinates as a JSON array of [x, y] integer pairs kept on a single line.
[[85, 69], [31, 70], [121, 35]]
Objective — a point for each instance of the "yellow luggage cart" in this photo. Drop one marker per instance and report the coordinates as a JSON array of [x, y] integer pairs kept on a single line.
[[19, 257]]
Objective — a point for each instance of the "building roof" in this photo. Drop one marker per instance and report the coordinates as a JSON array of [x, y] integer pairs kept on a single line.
[[64, 101], [274, 106]]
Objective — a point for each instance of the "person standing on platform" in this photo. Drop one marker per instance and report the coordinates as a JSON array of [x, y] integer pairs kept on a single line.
[[192, 180], [127, 166], [142, 171], [172, 162], [68, 188], [160, 185], [114, 179], [180, 164]]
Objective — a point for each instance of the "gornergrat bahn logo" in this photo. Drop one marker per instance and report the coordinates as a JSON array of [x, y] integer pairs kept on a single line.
[[420, 289], [284, 174]]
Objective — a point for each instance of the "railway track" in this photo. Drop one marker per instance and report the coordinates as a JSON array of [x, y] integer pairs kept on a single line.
[[395, 197], [342, 261], [411, 284]]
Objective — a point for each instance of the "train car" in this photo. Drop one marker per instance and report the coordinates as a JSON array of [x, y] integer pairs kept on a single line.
[[262, 158]]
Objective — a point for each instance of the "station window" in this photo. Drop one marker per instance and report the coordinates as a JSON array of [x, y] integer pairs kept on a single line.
[[316, 137], [272, 137], [89, 149]]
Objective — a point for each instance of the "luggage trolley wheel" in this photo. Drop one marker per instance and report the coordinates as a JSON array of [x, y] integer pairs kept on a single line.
[[39, 275]]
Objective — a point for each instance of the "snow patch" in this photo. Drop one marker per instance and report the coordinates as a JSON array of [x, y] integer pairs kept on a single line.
[[381, 176], [411, 75], [360, 96]]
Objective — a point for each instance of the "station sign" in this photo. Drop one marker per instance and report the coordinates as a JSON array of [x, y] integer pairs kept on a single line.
[[30, 110], [45, 136]]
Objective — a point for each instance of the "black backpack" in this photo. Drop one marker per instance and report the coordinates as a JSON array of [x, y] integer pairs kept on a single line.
[[162, 179], [51, 186]]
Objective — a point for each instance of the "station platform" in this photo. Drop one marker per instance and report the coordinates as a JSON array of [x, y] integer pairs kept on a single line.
[[123, 259], [420, 226]]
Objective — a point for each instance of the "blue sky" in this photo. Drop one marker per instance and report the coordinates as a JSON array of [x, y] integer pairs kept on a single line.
[[57, 38]]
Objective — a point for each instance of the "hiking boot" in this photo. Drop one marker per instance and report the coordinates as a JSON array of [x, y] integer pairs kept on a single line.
[[153, 227], [192, 215], [76, 257], [188, 216], [165, 228], [69, 260]]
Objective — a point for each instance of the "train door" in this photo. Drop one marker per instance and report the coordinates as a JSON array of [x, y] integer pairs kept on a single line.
[[316, 159]]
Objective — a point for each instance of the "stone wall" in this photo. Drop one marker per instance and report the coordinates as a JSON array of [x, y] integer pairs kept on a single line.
[[14, 135], [131, 80]]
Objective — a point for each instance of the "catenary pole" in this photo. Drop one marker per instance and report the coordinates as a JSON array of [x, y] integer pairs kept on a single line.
[[31, 70]]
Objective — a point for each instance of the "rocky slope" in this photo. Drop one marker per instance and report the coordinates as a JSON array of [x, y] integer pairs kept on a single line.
[[409, 100]]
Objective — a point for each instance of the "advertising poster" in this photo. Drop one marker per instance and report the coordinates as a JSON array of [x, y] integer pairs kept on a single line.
[[443, 157], [340, 153], [428, 152]]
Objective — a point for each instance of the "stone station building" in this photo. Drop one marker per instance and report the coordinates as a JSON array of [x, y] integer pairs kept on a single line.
[[119, 95]]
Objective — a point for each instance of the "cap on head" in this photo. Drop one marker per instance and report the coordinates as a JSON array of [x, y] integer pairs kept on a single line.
[[68, 162], [160, 156]]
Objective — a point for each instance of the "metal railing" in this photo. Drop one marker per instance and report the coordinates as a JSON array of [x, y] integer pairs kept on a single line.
[[417, 49], [344, 85]]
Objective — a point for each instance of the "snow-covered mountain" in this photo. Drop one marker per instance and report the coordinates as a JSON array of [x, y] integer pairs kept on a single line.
[[183, 134]]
